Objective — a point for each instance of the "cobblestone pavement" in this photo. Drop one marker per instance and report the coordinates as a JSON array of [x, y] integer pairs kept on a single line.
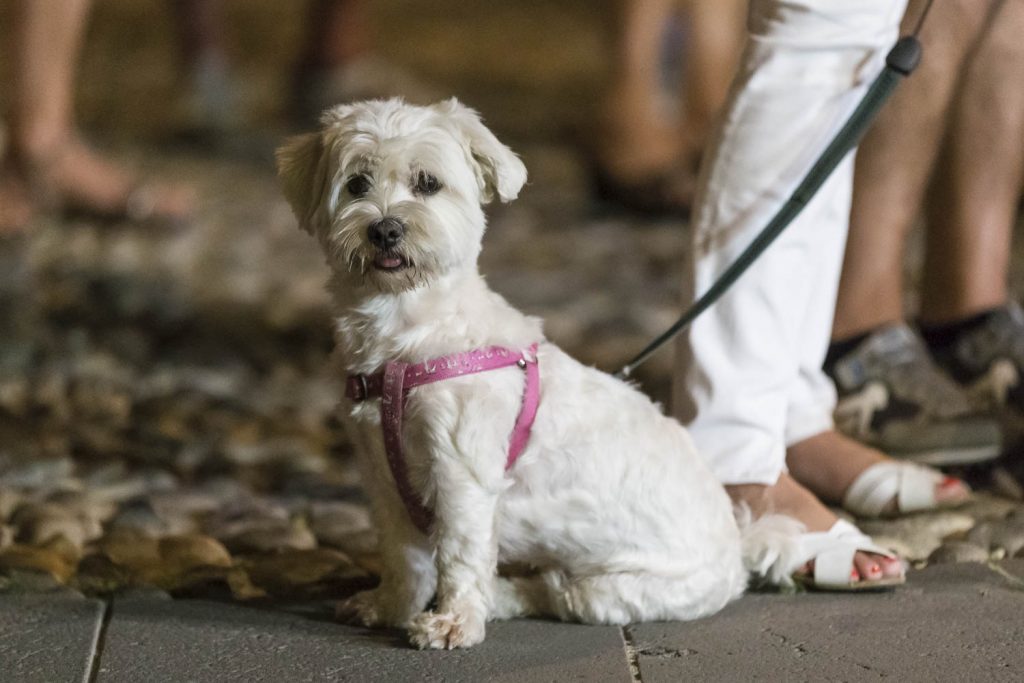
[[165, 415]]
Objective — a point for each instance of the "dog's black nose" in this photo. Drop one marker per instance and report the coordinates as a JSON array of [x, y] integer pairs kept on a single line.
[[385, 233]]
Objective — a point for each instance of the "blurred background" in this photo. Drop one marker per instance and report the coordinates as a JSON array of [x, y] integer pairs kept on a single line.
[[161, 382], [165, 406]]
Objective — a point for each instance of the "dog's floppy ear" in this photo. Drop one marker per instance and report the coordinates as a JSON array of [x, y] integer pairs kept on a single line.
[[302, 169], [499, 170]]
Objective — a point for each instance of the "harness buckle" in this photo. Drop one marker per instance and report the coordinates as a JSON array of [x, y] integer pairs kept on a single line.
[[356, 388]]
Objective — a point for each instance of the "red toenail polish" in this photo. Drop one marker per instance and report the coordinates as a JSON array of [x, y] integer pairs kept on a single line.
[[854, 575], [949, 481], [874, 569]]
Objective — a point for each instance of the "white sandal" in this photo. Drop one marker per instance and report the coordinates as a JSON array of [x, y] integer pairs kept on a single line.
[[912, 485], [832, 552]]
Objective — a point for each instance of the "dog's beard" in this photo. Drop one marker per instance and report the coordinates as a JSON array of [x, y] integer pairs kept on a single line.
[[434, 243], [369, 266], [412, 273]]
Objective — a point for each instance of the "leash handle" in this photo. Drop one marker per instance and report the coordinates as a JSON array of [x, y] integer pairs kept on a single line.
[[899, 63]]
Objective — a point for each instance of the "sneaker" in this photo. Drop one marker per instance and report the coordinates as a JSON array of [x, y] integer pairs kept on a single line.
[[894, 398], [988, 362]]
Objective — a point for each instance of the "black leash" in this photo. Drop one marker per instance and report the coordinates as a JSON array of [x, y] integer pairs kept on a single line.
[[899, 63]]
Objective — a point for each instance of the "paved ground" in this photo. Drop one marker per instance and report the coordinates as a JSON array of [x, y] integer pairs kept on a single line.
[[166, 422], [950, 623]]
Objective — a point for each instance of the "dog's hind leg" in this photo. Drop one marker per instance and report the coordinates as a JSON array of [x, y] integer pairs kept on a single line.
[[530, 596], [628, 597]]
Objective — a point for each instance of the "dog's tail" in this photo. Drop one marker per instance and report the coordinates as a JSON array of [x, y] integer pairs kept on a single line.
[[770, 546]]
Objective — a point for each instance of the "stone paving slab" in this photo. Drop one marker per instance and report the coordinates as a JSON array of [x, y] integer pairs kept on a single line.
[[48, 638], [189, 640], [950, 622]]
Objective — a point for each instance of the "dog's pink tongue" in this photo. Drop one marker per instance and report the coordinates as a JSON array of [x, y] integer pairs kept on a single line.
[[388, 261]]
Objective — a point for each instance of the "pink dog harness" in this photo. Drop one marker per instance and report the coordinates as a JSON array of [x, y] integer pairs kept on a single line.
[[392, 384]]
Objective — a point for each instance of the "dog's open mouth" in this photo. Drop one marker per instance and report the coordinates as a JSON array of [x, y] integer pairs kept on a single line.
[[390, 262]]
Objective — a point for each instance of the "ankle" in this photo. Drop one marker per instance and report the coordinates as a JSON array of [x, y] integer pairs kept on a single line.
[[944, 334], [828, 463], [864, 326], [786, 497], [31, 143], [751, 494], [840, 347]]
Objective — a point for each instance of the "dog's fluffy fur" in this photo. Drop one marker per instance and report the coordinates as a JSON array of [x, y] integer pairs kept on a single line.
[[610, 503]]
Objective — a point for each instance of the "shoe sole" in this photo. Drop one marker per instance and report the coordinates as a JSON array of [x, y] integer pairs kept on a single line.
[[954, 456], [860, 586]]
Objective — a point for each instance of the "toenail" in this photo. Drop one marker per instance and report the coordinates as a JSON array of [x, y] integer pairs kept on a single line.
[[854, 576], [874, 569], [950, 482]]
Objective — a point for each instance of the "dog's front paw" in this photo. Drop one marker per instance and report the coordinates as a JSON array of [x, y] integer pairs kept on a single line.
[[446, 630]]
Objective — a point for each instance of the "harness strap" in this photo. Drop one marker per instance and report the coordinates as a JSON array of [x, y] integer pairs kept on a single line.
[[531, 400], [393, 384], [392, 406]]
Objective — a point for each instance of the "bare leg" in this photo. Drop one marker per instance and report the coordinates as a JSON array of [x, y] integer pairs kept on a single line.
[[209, 96], [893, 167], [715, 43], [338, 32], [638, 136], [45, 39], [200, 25], [45, 155], [338, 63], [977, 186]]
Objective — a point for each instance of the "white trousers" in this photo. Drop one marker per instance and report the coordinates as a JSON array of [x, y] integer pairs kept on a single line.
[[748, 376]]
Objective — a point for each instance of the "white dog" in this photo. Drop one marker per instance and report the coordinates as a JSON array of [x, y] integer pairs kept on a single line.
[[609, 502]]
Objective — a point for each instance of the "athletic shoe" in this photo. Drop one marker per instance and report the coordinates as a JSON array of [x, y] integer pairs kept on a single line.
[[987, 360], [894, 398]]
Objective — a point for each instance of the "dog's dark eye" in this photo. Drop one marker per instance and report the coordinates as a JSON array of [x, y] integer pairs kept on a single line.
[[358, 185], [427, 184]]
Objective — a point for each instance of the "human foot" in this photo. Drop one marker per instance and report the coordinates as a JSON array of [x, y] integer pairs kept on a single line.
[[641, 162], [832, 465], [74, 178], [787, 497], [15, 205], [662, 192]]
